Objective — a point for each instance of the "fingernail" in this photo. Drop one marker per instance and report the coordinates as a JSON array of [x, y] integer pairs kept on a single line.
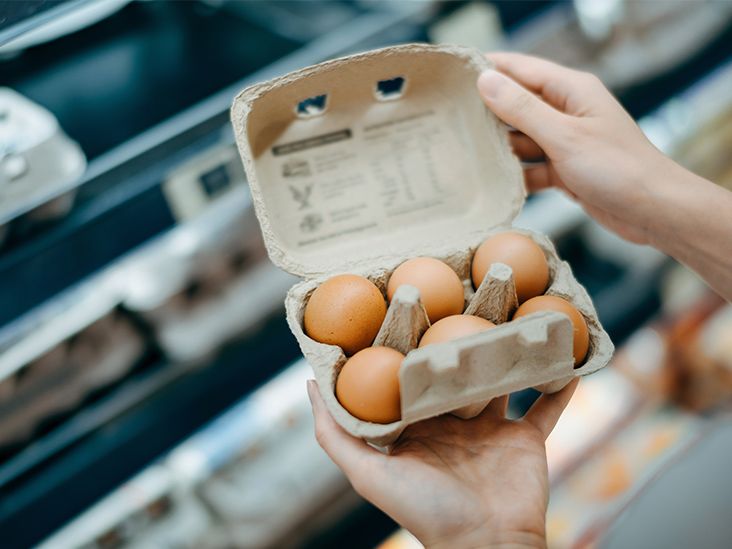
[[311, 387], [490, 83]]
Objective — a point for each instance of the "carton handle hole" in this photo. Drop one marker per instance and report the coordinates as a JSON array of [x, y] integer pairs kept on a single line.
[[390, 89], [312, 106]]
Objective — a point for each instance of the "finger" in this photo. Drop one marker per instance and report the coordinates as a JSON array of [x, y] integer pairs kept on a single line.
[[365, 467], [520, 108], [357, 459], [525, 147], [533, 72], [498, 406], [543, 176], [548, 408], [539, 177], [562, 87]]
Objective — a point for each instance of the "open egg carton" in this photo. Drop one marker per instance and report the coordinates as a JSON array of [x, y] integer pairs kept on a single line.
[[361, 163]]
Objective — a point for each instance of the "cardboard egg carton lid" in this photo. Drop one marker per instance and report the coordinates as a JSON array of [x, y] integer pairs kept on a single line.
[[364, 160]]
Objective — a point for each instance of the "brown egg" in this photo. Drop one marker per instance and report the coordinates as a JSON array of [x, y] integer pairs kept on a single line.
[[523, 255], [553, 303], [346, 310], [454, 327], [439, 286], [368, 385]]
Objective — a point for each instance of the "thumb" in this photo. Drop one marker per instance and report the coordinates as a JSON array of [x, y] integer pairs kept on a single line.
[[356, 458], [520, 108]]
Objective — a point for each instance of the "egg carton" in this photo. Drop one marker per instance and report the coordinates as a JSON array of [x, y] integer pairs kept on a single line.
[[360, 163]]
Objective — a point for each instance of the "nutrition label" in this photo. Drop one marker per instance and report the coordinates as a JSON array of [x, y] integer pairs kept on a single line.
[[404, 164], [374, 178]]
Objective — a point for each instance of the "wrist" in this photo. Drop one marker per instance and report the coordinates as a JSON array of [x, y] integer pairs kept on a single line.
[[657, 201], [671, 205]]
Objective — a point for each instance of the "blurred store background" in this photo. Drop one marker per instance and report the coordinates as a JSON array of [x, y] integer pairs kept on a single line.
[[151, 394]]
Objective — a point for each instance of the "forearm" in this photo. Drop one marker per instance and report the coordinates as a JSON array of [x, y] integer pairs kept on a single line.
[[690, 219]]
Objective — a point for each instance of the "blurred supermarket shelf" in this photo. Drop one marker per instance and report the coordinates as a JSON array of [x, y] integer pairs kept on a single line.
[[624, 43], [151, 283], [694, 127], [162, 237], [20, 20], [256, 470], [672, 124], [645, 52], [39, 164], [162, 248], [235, 472], [123, 185]]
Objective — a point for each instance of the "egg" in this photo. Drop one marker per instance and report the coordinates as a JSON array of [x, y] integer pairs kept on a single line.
[[454, 327], [552, 303], [440, 288], [523, 255], [368, 385], [346, 310]]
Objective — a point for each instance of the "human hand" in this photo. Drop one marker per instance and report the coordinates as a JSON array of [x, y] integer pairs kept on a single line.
[[456, 483], [591, 148]]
